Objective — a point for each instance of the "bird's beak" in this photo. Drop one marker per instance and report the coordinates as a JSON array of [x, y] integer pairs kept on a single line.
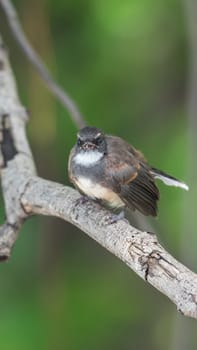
[[88, 146]]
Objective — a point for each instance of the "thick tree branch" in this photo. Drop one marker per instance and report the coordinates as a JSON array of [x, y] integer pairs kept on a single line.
[[26, 194], [38, 64], [141, 251]]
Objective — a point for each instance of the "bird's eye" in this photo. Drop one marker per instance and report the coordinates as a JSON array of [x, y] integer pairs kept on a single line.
[[79, 142], [98, 140]]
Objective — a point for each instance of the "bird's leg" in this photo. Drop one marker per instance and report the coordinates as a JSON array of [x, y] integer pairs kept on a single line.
[[112, 219], [82, 200]]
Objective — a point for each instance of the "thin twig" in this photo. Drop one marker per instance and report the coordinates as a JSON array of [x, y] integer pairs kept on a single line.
[[38, 64]]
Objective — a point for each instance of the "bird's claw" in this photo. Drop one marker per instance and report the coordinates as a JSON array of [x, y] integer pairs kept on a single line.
[[114, 218], [81, 200]]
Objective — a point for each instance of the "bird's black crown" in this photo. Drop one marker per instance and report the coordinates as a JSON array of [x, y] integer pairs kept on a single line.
[[90, 133], [92, 136]]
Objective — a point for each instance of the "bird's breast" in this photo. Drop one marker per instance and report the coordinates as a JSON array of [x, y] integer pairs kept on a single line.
[[98, 191]]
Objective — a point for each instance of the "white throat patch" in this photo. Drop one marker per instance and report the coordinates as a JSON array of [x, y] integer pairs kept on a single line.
[[87, 158]]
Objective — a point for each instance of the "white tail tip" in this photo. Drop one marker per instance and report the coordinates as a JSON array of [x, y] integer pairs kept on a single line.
[[171, 182]]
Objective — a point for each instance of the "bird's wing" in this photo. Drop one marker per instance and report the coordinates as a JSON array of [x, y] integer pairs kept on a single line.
[[131, 177]]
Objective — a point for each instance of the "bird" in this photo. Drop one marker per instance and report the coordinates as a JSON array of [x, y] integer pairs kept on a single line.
[[107, 169]]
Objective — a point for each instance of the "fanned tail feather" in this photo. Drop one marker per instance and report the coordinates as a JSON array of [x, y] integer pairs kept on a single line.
[[168, 179]]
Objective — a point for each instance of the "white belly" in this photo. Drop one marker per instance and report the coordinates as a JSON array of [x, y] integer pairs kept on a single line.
[[97, 191]]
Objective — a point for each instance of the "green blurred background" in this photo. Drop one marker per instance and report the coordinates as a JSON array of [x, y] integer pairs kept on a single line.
[[130, 67]]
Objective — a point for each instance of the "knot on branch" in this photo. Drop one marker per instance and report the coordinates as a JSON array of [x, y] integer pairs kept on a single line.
[[8, 235], [149, 255], [7, 146]]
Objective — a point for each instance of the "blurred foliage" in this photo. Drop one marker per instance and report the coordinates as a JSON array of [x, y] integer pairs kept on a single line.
[[125, 63]]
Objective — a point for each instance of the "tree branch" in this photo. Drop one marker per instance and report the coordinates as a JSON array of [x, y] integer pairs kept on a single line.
[[38, 64], [141, 251], [26, 194]]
